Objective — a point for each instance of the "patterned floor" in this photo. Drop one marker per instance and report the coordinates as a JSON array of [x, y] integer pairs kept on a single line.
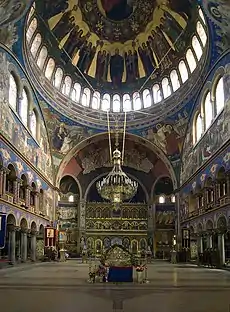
[[64, 287]]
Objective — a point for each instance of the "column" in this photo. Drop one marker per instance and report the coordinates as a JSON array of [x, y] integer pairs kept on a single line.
[[24, 245], [201, 244], [36, 202], [1, 182], [17, 184], [4, 181], [81, 220], [221, 248], [210, 241], [177, 223], [11, 250], [33, 246], [228, 185], [27, 201]]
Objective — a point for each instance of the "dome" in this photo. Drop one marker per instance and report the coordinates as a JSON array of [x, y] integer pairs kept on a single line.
[[118, 55]]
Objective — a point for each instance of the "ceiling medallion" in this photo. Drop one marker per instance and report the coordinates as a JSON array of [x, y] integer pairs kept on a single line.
[[117, 20]]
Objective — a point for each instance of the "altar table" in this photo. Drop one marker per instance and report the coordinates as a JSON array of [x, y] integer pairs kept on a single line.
[[120, 274]]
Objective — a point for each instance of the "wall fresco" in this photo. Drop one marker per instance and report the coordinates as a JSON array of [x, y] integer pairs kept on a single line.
[[195, 156], [37, 153]]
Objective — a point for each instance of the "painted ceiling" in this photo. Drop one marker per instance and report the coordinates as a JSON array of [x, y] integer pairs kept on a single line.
[[118, 42]]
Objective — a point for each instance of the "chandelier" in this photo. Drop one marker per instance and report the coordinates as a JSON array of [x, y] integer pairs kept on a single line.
[[117, 186]]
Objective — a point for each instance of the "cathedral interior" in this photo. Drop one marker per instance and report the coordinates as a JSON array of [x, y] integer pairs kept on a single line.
[[91, 87]]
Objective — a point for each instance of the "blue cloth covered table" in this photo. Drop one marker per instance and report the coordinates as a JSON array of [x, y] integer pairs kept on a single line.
[[120, 274]]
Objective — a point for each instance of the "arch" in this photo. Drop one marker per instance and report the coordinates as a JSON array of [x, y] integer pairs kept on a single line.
[[137, 105], [222, 222], [23, 223], [13, 91], [209, 224], [66, 87], [76, 180], [96, 100], [147, 99], [42, 56], [183, 71], [127, 104], [221, 173], [157, 180], [166, 88], [151, 146], [105, 104], [157, 96], [116, 103], [34, 123], [31, 29], [49, 69], [86, 96], [11, 219], [58, 77], [24, 106], [105, 174], [36, 45], [197, 47], [76, 92], [219, 95], [175, 80], [41, 229], [191, 60], [33, 226], [201, 33], [200, 227]]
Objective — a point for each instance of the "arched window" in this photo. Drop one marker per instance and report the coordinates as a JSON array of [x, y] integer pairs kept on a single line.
[[96, 100], [183, 71], [31, 29], [173, 199], [219, 95], [24, 105], [32, 10], [35, 45], [105, 105], [58, 77], [191, 60], [67, 85], [162, 199], [13, 92], [202, 15], [76, 92], [157, 97], [136, 101], [198, 128], [201, 33], [49, 69], [208, 111], [166, 88], [33, 124], [127, 105], [197, 47], [42, 57], [85, 100], [147, 100], [175, 80], [116, 103]]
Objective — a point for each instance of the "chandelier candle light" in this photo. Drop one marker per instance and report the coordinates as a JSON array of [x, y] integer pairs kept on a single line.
[[117, 186]]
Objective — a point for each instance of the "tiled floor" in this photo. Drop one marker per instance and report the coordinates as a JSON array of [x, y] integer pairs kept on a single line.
[[62, 287]]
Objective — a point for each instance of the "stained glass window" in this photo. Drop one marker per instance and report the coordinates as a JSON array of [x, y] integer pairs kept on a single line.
[[136, 101], [183, 71], [147, 98], [23, 110], [49, 68], [36, 44], [208, 111], [31, 29], [13, 93], [175, 80], [116, 103], [33, 124], [127, 105], [191, 60], [96, 100], [42, 57], [105, 105], [166, 88], [220, 99], [76, 92], [58, 77]]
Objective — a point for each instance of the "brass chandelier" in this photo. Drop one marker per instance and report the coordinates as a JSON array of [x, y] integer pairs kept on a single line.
[[117, 186]]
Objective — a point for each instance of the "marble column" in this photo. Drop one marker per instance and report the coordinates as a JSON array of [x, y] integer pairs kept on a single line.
[[210, 241], [201, 244], [36, 202], [12, 244], [24, 246], [33, 246], [221, 248], [17, 184]]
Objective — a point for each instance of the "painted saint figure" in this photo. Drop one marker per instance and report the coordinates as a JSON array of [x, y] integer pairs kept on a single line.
[[116, 68], [102, 66], [64, 26]]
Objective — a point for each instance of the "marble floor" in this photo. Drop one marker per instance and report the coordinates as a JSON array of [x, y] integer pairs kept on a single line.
[[58, 287]]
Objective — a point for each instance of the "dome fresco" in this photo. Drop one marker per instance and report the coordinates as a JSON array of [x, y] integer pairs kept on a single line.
[[115, 43], [103, 61]]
